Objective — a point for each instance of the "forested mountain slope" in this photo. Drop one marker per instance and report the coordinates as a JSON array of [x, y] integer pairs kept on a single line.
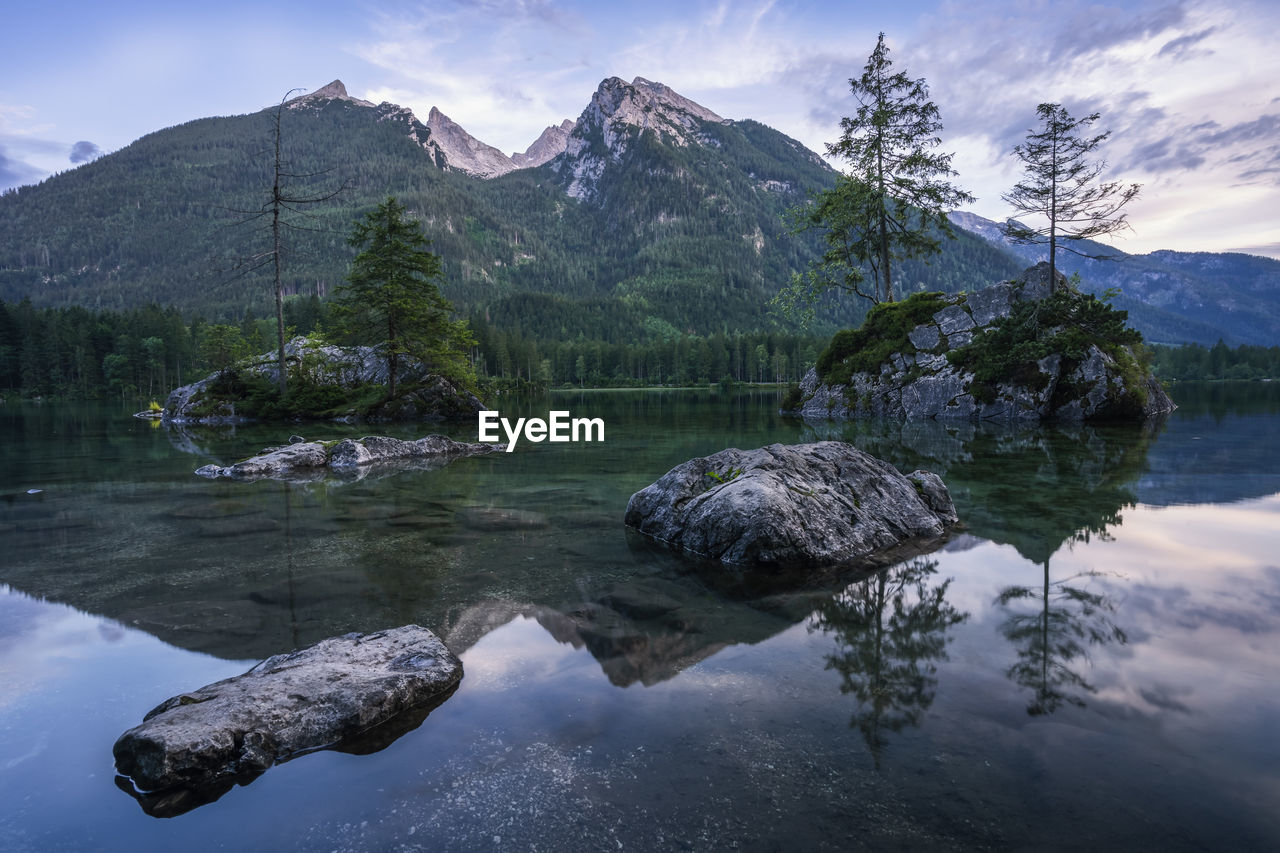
[[659, 217]]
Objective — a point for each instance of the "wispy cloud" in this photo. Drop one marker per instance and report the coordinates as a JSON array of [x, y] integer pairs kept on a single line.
[[14, 173], [1184, 47]]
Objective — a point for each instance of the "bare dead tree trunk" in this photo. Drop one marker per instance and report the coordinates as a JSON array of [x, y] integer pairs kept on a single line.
[[276, 201]]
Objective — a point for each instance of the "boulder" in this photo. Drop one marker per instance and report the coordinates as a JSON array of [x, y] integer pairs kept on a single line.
[[320, 697], [820, 504], [349, 458]]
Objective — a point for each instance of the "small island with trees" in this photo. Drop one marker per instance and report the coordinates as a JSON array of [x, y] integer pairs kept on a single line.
[[1036, 348], [398, 354]]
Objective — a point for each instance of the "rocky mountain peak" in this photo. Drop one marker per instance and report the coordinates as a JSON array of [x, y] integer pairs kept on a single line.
[[463, 151], [645, 104], [335, 91], [616, 111], [659, 93], [549, 145]]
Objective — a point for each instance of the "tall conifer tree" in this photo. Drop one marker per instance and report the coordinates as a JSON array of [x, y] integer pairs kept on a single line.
[[893, 203], [392, 297], [1060, 187]]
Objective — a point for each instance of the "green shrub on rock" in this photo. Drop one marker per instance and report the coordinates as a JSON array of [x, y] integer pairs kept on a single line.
[[1068, 323], [864, 349]]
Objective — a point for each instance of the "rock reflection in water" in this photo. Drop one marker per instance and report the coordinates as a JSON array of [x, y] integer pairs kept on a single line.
[[890, 632]]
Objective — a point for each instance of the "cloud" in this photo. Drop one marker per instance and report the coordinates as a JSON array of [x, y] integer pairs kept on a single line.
[[1269, 250], [84, 151], [1097, 28], [503, 69], [1183, 47], [14, 173], [1245, 151]]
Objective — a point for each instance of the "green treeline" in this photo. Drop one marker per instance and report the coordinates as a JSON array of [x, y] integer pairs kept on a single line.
[[678, 359], [146, 352], [1219, 361], [140, 353]]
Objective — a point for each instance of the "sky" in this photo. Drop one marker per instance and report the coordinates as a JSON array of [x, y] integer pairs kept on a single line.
[[1190, 89]]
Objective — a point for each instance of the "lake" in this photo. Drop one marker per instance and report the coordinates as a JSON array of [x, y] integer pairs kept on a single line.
[[1091, 662]]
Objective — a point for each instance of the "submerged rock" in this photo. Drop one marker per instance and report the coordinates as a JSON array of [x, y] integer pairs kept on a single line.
[[311, 460], [325, 696], [818, 504]]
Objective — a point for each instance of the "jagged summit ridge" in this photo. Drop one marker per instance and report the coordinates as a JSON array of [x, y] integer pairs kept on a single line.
[[646, 105], [463, 151], [616, 111], [659, 93], [549, 145]]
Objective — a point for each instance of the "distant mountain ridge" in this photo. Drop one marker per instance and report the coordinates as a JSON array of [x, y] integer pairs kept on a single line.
[[1171, 296]]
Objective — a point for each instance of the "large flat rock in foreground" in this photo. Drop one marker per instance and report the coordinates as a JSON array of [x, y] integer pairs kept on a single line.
[[314, 698], [821, 504]]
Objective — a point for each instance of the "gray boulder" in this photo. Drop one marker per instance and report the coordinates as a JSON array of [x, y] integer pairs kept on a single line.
[[349, 458], [319, 697], [819, 504]]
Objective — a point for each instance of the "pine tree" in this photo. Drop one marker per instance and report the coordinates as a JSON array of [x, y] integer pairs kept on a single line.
[[1060, 187], [392, 299], [893, 203]]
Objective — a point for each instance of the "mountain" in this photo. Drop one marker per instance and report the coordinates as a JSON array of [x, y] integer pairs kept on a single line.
[[618, 113], [647, 217], [1171, 297], [333, 91], [550, 144], [463, 151]]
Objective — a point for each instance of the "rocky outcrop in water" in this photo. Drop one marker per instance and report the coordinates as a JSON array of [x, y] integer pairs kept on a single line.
[[819, 504], [929, 363], [320, 697], [312, 460], [221, 398]]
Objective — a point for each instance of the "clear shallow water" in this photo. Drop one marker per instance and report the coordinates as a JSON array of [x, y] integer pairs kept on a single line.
[[617, 698]]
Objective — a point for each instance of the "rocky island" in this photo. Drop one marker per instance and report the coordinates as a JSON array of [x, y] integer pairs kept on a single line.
[[1026, 350], [332, 382]]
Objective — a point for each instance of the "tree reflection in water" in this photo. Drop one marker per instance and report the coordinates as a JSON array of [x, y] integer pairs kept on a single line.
[[890, 632], [1050, 638]]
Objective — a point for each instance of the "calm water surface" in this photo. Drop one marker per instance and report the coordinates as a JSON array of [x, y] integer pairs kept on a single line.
[[1093, 662]]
